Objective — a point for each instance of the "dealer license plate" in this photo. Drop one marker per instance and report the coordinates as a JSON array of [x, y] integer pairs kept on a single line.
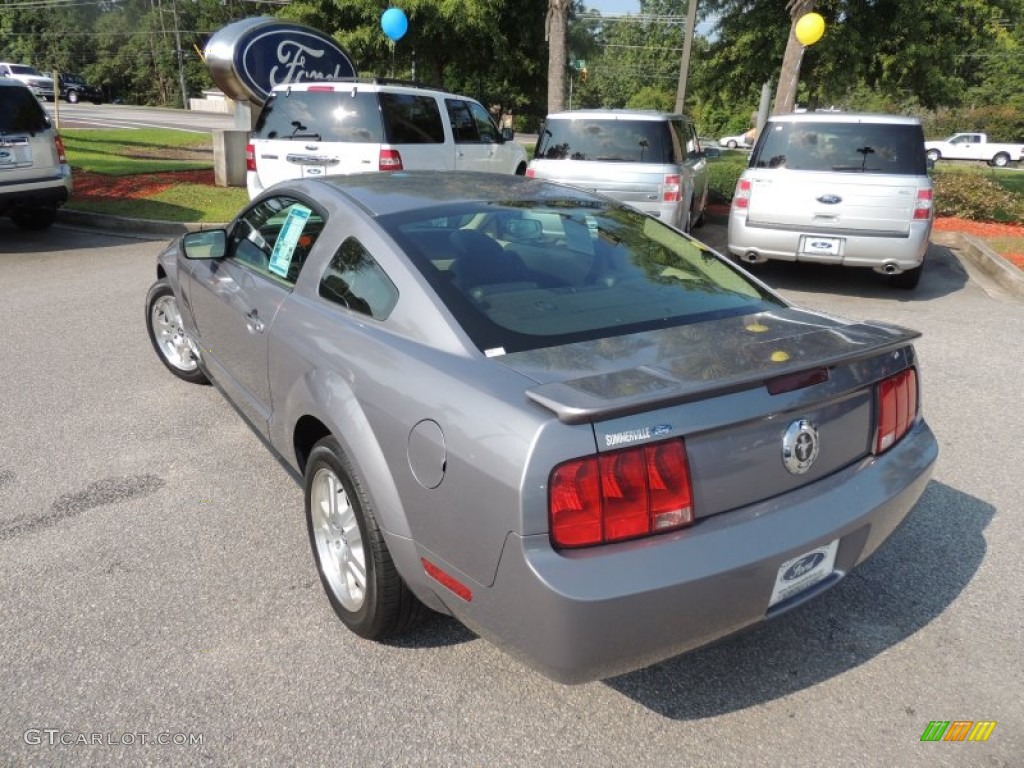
[[821, 246], [805, 571]]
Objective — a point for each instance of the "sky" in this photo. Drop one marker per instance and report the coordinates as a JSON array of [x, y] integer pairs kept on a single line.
[[612, 7]]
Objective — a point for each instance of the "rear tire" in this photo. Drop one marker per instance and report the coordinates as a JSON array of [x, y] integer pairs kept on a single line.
[[356, 570], [1001, 160], [907, 280], [36, 218], [934, 155]]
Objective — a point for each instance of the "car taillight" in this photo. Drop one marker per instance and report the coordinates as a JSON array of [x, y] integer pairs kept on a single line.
[[250, 157], [620, 495], [390, 160], [741, 197], [897, 408], [58, 142], [923, 205], [671, 188], [531, 173]]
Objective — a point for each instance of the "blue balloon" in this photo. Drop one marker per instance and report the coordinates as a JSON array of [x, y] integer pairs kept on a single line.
[[394, 23]]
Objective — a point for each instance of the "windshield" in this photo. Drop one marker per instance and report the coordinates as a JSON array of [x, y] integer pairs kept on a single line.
[[605, 140], [528, 274], [851, 147]]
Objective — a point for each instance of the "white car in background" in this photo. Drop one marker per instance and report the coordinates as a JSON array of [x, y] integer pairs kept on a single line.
[[732, 142]]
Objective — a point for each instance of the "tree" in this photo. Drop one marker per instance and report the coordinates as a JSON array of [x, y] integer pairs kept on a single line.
[[555, 33], [785, 95]]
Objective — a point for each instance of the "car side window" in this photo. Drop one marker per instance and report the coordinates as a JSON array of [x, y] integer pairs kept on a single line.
[[355, 280], [464, 127], [485, 127], [274, 237], [411, 119]]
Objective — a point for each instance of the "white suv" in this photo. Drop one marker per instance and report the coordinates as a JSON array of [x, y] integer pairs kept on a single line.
[[40, 84], [35, 178], [349, 126]]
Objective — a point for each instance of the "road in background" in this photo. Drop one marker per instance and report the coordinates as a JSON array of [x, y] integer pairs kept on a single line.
[[119, 116], [157, 576]]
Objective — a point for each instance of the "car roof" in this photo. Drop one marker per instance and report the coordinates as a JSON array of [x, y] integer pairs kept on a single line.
[[380, 194], [10, 81], [368, 84], [616, 114], [844, 117]]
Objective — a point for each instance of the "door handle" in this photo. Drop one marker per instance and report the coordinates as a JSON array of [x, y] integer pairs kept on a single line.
[[253, 322]]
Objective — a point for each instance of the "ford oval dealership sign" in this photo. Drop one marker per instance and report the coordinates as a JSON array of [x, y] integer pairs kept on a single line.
[[248, 58]]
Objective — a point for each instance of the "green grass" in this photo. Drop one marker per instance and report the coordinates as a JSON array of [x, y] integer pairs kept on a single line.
[[124, 152], [182, 202]]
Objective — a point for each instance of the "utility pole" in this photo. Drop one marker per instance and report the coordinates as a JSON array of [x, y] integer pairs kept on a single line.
[[181, 53], [684, 65]]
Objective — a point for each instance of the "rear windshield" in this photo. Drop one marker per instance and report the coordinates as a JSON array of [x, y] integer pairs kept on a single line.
[[626, 141], [846, 147], [20, 111], [321, 116], [345, 116], [529, 274]]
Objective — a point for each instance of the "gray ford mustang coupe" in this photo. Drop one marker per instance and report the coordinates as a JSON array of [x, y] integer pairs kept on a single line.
[[588, 437]]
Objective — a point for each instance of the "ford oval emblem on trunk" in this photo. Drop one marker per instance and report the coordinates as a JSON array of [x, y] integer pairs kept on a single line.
[[830, 199]]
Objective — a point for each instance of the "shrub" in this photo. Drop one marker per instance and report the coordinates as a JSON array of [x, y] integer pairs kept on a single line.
[[973, 195], [724, 172]]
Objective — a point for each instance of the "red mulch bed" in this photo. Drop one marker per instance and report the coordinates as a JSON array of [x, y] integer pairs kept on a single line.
[[98, 186]]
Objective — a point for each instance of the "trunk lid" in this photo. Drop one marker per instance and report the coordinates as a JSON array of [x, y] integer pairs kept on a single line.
[[732, 388]]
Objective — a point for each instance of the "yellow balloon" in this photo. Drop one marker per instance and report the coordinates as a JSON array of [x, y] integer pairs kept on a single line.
[[810, 28]]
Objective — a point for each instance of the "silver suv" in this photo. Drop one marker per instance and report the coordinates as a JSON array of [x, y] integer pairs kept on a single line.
[[35, 178], [835, 188], [339, 127], [650, 160]]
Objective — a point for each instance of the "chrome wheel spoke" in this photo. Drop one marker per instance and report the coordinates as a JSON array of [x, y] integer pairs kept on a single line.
[[339, 543]]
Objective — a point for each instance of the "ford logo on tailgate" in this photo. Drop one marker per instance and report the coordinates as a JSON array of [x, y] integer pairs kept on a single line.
[[803, 565], [830, 199]]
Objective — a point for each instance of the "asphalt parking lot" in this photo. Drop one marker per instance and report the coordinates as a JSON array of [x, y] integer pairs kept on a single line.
[[158, 584]]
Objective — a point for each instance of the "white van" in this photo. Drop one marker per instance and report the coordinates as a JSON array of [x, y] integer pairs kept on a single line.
[[346, 126], [836, 188]]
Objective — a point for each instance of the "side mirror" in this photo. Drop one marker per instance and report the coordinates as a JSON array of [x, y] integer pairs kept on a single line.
[[508, 134], [712, 152], [208, 244]]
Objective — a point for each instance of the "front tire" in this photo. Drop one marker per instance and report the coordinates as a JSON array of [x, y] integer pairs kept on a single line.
[[173, 345], [351, 556], [72, 97], [35, 219]]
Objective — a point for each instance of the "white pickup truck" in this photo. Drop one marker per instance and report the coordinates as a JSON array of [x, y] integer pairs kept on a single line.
[[973, 146]]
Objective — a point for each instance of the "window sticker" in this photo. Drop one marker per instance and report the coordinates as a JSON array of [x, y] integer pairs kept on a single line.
[[284, 246]]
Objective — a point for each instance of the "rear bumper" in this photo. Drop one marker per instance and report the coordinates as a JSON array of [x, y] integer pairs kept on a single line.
[[50, 192], [761, 243], [591, 614]]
